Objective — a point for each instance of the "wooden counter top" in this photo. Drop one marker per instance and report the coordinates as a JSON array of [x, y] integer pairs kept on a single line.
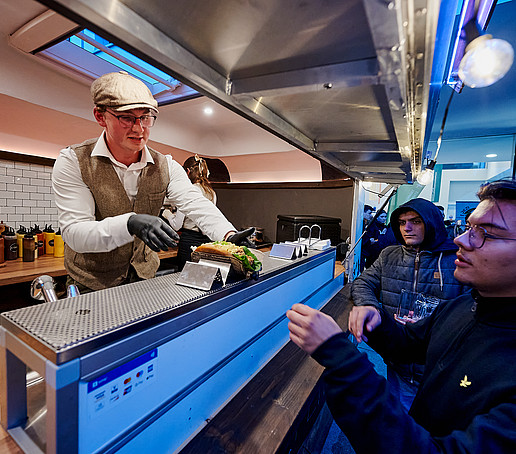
[[16, 271]]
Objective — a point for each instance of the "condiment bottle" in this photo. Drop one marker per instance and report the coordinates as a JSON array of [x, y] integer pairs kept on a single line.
[[58, 244], [20, 233], [35, 243], [10, 244], [40, 239], [48, 235], [2, 227], [29, 247], [2, 253]]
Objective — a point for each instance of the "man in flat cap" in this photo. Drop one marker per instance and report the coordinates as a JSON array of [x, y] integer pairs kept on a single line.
[[109, 191]]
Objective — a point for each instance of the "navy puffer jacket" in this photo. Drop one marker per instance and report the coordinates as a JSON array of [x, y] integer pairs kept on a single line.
[[428, 271]]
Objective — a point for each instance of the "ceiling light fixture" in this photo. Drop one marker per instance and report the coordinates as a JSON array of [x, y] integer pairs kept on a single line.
[[486, 60], [491, 155], [426, 176]]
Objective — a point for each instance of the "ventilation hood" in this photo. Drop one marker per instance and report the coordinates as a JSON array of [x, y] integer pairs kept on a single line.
[[344, 81]]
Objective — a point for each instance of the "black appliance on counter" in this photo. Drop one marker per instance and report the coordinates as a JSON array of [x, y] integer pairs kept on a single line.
[[287, 227]]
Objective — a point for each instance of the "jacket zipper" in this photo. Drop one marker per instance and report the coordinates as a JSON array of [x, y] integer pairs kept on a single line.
[[414, 289], [416, 271]]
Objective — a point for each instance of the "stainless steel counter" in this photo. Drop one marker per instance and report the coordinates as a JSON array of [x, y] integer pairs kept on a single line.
[[196, 348], [71, 327]]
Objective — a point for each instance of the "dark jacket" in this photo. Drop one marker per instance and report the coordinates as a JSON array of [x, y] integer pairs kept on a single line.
[[382, 237], [429, 271], [467, 400]]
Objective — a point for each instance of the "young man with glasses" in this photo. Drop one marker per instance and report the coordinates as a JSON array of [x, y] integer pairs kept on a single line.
[[109, 192], [467, 399]]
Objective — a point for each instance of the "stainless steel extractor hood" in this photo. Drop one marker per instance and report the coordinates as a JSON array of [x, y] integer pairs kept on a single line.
[[343, 80]]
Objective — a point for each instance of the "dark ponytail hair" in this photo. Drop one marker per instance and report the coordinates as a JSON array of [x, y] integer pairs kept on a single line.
[[198, 172]]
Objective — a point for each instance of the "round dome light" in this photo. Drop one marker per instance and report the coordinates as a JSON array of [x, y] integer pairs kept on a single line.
[[485, 62], [425, 177]]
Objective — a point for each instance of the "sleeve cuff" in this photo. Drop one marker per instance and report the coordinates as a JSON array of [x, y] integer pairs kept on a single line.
[[325, 353], [119, 228]]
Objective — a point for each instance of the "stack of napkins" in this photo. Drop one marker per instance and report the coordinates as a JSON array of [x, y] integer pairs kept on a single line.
[[320, 245]]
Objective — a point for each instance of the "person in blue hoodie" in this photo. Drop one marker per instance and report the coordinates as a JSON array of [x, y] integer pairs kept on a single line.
[[377, 237], [420, 268], [467, 399]]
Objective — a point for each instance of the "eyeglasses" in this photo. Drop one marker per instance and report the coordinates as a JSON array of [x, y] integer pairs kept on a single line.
[[128, 121], [478, 236]]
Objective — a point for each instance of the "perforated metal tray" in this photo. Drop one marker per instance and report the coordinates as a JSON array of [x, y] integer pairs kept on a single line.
[[88, 321]]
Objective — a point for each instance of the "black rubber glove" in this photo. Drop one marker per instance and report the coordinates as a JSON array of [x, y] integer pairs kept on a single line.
[[241, 238], [153, 231]]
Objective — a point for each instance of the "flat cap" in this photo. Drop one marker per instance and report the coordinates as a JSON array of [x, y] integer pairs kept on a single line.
[[121, 91]]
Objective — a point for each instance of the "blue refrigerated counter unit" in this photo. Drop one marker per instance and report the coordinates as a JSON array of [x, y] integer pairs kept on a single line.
[[142, 367]]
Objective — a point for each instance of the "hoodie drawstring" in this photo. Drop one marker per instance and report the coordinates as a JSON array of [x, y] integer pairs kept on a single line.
[[440, 273]]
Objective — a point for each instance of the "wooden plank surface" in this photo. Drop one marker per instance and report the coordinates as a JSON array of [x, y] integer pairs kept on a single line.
[[7, 444], [16, 271]]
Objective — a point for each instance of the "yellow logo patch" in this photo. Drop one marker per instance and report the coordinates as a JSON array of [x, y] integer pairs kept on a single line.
[[464, 382]]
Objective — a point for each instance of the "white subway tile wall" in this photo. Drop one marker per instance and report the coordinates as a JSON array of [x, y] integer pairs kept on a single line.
[[26, 196]]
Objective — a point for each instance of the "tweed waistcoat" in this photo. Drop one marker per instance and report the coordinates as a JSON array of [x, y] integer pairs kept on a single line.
[[107, 269]]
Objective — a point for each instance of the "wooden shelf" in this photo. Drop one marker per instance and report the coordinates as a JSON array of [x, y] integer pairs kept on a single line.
[[17, 271]]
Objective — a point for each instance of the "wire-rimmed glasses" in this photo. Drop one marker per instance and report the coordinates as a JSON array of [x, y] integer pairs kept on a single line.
[[478, 236]]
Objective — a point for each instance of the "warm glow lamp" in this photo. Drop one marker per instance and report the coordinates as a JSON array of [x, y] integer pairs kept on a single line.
[[426, 176], [486, 60]]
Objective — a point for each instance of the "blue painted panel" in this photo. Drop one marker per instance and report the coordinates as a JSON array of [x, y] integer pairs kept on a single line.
[[176, 427], [242, 339]]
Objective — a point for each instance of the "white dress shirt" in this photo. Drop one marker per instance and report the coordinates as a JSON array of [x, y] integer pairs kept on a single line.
[[189, 223], [76, 206]]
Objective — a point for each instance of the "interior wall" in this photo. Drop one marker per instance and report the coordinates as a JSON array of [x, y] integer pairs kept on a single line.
[[26, 196], [45, 111], [46, 136], [273, 167], [259, 207], [452, 179]]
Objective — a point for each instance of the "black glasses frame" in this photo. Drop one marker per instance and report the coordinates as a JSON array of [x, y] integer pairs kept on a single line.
[[126, 123], [477, 232]]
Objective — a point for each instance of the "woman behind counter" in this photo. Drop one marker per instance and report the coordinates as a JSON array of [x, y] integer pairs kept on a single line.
[[197, 170]]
